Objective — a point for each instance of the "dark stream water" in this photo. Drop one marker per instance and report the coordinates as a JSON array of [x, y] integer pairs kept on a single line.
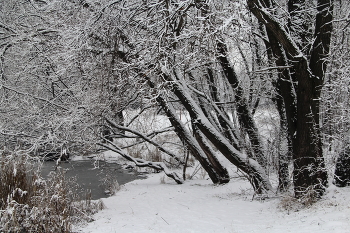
[[93, 175]]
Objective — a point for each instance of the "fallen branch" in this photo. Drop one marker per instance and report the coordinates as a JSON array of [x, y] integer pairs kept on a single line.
[[147, 139], [158, 166], [150, 135]]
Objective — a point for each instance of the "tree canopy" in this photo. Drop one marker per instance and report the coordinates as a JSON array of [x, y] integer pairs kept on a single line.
[[71, 70]]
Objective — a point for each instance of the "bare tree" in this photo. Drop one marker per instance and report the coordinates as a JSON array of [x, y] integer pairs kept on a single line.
[[220, 63], [190, 52]]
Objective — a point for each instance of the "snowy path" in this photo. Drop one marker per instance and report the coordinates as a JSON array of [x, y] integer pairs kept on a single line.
[[198, 206]]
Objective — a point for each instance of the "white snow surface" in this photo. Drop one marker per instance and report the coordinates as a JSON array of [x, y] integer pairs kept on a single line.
[[152, 205]]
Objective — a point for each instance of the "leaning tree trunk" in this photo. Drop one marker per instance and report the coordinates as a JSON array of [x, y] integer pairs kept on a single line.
[[216, 172], [245, 117], [221, 170], [217, 176], [256, 173]]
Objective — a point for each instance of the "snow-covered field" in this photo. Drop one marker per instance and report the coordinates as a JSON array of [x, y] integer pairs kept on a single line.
[[157, 204]]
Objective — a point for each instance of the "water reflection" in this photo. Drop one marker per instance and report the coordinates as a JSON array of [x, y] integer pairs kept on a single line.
[[93, 175]]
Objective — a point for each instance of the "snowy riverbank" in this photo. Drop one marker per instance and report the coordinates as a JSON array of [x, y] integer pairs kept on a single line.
[[159, 205]]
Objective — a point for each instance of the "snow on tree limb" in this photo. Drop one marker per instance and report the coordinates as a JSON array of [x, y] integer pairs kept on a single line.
[[254, 170], [272, 68], [150, 135], [147, 139], [158, 166], [216, 175], [34, 97], [276, 28]]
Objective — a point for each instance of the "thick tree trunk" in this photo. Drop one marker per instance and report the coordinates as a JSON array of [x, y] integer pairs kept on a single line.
[[310, 92], [308, 159], [309, 173]]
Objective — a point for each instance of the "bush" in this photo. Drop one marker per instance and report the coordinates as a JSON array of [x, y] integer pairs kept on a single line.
[[29, 203]]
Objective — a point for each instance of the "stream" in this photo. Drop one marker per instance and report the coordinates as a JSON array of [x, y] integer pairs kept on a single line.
[[93, 175]]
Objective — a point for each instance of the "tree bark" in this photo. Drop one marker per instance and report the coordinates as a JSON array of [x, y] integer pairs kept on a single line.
[[251, 167], [244, 115], [158, 166], [192, 144], [221, 170], [310, 93], [309, 173]]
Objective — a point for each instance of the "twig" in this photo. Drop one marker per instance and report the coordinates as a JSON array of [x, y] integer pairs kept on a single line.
[[273, 68], [164, 220], [158, 166], [147, 139], [34, 97]]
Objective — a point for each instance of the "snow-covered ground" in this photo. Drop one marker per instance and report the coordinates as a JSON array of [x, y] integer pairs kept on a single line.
[[157, 204]]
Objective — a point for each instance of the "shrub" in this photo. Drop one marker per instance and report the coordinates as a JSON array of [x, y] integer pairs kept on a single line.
[[29, 203]]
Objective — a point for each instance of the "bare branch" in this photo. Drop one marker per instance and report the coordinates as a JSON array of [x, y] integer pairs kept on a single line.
[[273, 68], [147, 139], [158, 166], [34, 97], [276, 28]]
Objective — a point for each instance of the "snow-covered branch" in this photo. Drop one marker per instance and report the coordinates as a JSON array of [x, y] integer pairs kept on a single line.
[[248, 165], [34, 97], [146, 138], [158, 166], [275, 27], [273, 68]]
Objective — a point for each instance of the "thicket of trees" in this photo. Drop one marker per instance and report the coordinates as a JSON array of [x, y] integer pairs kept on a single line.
[[70, 69]]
